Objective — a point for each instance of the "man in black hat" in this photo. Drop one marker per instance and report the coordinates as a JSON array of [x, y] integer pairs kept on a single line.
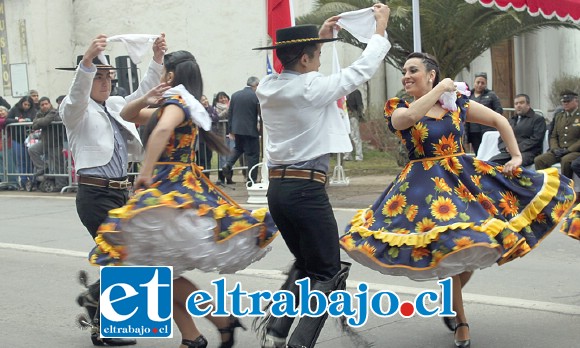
[[102, 145], [304, 126], [564, 136]]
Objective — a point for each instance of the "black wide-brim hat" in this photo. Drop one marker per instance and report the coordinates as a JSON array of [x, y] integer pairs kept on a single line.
[[297, 35], [97, 63]]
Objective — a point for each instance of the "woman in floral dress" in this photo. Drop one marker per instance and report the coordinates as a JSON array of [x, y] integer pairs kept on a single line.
[[448, 214], [180, 218]]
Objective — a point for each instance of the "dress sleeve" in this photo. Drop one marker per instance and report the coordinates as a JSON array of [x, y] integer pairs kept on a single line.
[[177, 100], [390, 106], [462, 104]]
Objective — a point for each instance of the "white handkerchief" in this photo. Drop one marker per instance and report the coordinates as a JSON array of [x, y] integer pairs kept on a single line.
[[448, 99], [198, 114], [136, 44], [360, 23]]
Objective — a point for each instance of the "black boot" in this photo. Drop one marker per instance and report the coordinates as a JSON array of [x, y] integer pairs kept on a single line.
[[308, 328], [89, 299], [273, 331], [221, 178], [228, 173]]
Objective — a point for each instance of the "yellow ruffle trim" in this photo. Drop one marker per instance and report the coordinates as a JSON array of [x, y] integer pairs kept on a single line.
[[491, 227]]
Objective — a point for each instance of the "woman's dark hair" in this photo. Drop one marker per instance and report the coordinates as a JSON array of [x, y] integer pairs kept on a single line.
[[25, 99], [290, 56], [430, 63], [216, 99], [186, 72]]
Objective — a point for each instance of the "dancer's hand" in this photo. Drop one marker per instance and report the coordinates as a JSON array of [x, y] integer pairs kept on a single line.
[[512, 164], [97, 46], [159, 48], [382, 13], [143, 181], [329, 25], [154, 96], [447, 84]]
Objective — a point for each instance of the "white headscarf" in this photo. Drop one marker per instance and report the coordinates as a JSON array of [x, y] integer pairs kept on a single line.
[[198, 114]]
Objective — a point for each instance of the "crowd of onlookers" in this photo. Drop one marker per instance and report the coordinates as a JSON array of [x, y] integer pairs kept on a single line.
[[34, 146]]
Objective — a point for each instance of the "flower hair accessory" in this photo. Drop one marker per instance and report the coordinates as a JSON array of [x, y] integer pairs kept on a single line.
[[448, 99]]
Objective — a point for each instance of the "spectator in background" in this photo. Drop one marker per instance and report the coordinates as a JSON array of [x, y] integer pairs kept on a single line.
[[23, 111], [59, 100], [4, 103], [243, 125], [221, 104], [355, 107], [203, 152], [117, 90], [564, 136], [530, 130], [481, 94], [4, 121], [35, 100], [50, 144]]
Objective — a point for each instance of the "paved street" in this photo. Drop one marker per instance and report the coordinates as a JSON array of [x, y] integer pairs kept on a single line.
[[532, 302]]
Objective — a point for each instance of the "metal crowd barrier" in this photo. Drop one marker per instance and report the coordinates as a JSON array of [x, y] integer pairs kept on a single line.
[[31, 160], [36, 159]]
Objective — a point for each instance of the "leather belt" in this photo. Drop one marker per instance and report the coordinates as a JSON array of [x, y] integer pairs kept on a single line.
[[305, 174], [106, 183]]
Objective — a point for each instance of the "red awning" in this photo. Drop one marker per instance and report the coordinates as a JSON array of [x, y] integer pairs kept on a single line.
[[564, 10]]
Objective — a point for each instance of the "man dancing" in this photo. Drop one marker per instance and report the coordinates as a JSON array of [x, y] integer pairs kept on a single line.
[[102, 144], [302, 119]]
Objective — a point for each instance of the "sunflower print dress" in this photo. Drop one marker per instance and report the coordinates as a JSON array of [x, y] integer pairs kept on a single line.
[[571, 225], [182, 219], [448, 212]]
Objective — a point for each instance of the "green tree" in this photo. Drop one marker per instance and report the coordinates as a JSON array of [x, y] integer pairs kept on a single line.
[[452, 30]]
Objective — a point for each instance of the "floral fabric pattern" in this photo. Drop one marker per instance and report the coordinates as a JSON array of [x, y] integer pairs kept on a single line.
[[571, 225], [180, 184], [447, 212]]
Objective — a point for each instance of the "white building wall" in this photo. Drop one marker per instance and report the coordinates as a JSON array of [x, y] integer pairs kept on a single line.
[[221, 34]]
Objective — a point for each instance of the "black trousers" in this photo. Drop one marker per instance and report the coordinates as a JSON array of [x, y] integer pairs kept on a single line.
[[504, 157], [301, 210], [245, 144], [93, 205]]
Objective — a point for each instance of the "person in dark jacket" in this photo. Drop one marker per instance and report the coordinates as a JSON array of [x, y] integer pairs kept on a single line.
[[50, 144], [530, 130], [243, 125], [488, 98]]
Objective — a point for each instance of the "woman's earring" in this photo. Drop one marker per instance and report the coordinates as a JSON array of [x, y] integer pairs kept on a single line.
[[430, 81]]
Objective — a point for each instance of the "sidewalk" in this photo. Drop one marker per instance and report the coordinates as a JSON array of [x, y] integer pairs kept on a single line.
[[361, 191]]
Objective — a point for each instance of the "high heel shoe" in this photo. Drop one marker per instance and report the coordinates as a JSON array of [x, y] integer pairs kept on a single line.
[[462, 344], [234, 324], [199, 342], [450, 323]]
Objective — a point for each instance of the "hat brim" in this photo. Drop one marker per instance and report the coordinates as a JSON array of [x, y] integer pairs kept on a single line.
[[282, 45]]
